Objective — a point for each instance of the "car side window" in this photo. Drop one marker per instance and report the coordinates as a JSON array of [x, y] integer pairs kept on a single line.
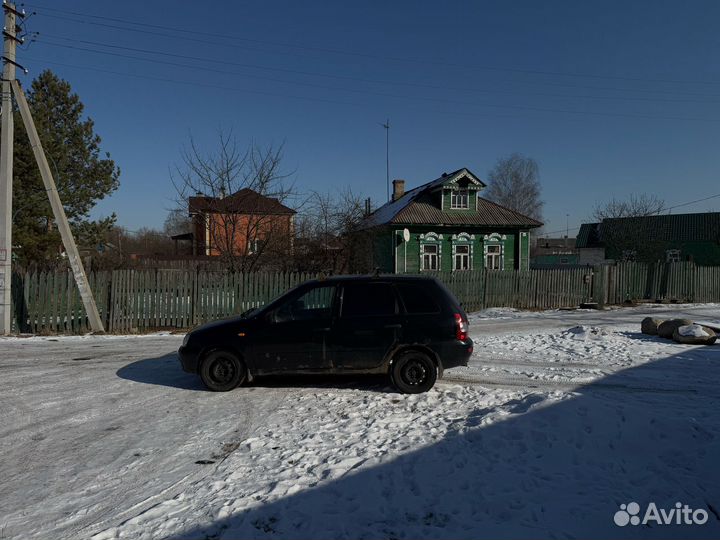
[[368, 300], [417, 299], [314, 304]]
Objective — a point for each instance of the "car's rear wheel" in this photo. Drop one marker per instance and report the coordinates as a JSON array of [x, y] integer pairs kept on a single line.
[[413, 372], [222, 371]]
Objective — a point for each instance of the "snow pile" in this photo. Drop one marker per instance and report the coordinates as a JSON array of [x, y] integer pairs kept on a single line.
[[585, 332], [693, 330], [497, 313]]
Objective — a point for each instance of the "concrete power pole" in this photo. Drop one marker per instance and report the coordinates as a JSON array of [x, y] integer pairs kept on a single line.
[[11, 86], [59, 212], [6, 169]]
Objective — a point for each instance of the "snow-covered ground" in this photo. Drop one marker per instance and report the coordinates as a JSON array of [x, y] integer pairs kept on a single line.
[[560, 418]]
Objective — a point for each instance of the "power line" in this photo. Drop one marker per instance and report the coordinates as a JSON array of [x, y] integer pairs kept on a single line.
[[655, 213], [372, 81], [194, 83], [190, 82], [691, 202], [381, 57], [155, 33], [383, 94]]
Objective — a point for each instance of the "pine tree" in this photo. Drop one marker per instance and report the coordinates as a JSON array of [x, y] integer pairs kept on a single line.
[[83, 176]]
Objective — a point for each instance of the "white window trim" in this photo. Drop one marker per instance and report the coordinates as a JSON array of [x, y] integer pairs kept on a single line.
[[463, 239], [431, 238], [494, 239], [455, 195], [435, 255]]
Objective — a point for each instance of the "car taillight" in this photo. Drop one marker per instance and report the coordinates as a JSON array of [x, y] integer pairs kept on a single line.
[[461, 329]]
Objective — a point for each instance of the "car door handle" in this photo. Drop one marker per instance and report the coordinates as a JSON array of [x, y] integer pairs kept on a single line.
[[393, 326]]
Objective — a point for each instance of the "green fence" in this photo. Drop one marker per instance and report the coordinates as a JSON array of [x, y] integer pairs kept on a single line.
[[138, 300]]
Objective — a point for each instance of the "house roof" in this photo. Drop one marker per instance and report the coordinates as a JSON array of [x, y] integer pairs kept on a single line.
[[245, 201], [588, 236], [417, 206], [666, 228]]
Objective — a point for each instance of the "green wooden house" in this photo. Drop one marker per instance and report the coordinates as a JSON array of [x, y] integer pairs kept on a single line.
[[668, 238], [445, 225]]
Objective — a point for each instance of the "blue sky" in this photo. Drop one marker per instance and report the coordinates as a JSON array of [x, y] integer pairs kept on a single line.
[[610, 98]]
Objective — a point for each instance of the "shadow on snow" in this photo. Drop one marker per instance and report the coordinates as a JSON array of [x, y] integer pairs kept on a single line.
[[561, 470], [166, 371]]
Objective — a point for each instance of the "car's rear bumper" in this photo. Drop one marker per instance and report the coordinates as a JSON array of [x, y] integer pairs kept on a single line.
[[455, 353], [188, 359]]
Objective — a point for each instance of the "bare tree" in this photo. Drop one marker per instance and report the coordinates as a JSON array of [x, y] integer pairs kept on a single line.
[[514, 182], [177, 222], [324, 231], [625, 230], [230, 188], [636, 206]]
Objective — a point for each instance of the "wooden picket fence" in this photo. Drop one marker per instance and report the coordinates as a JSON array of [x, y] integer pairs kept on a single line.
[[138, 300], [671, 282]]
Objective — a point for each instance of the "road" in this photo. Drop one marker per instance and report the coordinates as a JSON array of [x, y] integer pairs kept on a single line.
[[99, 429], [76, 406]]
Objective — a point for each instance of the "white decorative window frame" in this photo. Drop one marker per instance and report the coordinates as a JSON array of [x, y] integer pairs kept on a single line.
[[463, 239], [495, 239], [435, 239], [455, 197], [672, 255]]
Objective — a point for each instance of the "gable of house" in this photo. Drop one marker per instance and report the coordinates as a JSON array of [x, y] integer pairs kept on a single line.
[[432, 203], [446, 225]]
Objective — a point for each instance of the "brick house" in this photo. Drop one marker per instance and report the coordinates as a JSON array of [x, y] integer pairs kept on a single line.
[[445, 225], [244, 223]]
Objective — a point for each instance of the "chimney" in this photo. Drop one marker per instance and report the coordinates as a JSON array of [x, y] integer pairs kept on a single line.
[[398, 189]]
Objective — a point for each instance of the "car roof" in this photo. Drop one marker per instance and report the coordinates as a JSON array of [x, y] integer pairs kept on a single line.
[[371, 278]]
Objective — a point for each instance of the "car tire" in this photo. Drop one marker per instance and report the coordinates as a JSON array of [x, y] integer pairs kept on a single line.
[[413, 372], [222, 371]]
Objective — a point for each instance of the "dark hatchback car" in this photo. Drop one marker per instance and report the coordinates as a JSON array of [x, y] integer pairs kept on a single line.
[[411, 328]]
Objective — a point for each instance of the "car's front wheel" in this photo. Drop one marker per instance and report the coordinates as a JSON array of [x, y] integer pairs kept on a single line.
[[222, 371], [413, 372]]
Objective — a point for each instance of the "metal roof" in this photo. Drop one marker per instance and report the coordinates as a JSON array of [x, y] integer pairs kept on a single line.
[[245, 201], [419, 207], [587, 236], [665, 228]]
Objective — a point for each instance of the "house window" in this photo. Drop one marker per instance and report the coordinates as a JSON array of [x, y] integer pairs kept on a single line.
[[430, 259], [629, 255], [462, 257], [672, 255], [459, 199], [253, 246], [493, 258]]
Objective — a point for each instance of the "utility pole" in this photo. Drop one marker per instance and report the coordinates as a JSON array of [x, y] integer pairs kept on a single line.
[[6, 167], [386, 125], [59, 212], [11, 86]]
